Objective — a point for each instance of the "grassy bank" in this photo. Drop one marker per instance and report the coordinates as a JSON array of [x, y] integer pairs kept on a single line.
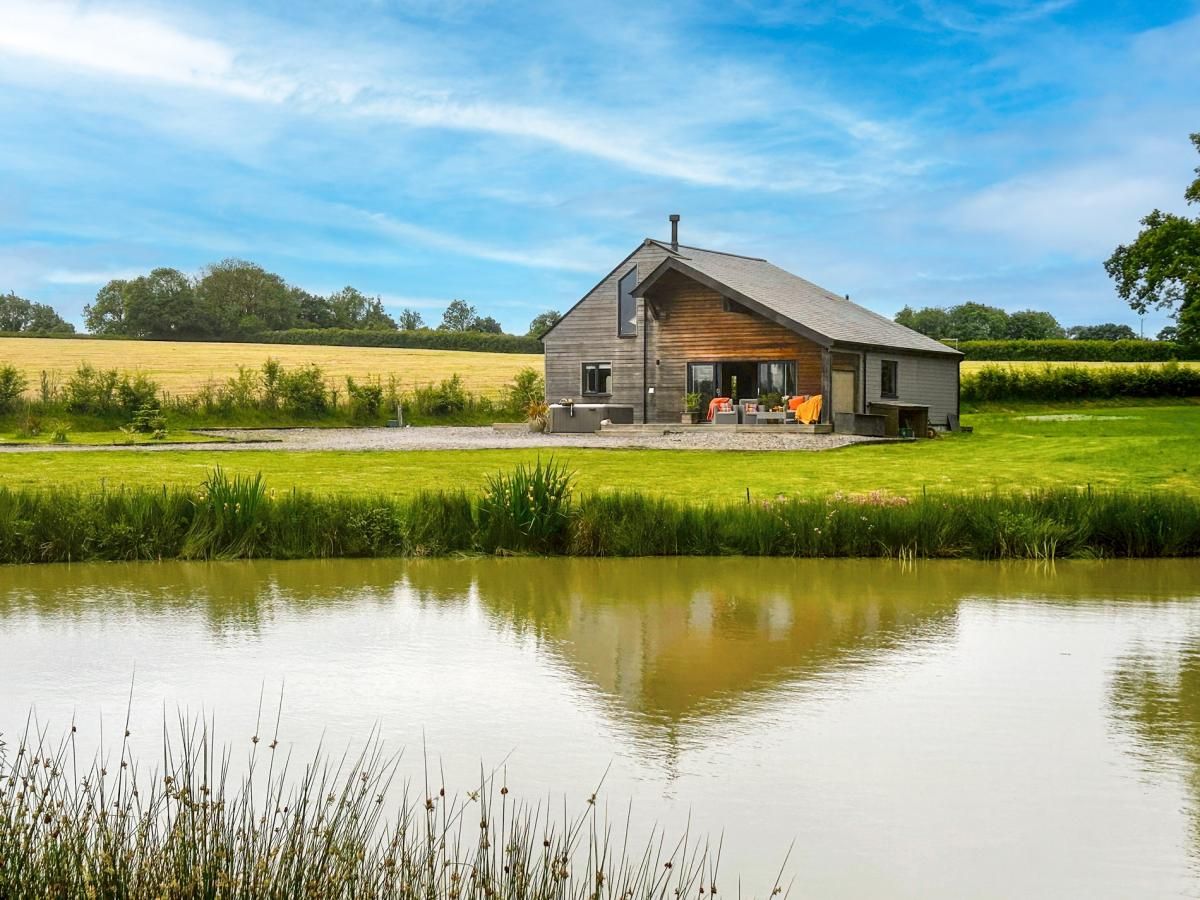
[[535, 510], [1142, 448], [193, 828]]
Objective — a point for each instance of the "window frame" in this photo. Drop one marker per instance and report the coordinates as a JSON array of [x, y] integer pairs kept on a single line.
[[583, 378], [892, 366], [621, 333]]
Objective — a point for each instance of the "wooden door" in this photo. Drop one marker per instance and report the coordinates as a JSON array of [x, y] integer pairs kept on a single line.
[[844, 389]]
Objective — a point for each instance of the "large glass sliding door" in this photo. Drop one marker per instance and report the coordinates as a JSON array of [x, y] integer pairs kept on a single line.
[[779, 377], [741, 379]]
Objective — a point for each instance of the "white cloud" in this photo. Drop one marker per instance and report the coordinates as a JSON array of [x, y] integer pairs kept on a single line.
[[1083, 211], [85, 277], [571, 256], [128, 45], [670, 140]]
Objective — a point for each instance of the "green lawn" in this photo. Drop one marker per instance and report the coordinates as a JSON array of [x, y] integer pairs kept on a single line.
[[1139, 447], [112, 436]]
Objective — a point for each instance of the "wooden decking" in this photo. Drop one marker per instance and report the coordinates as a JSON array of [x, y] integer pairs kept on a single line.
[[669, 428]]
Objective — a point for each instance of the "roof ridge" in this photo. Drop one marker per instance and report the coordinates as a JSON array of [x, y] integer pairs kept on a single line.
[[667, 246]]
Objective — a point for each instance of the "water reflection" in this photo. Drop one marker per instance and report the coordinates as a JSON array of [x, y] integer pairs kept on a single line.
[[668, 640], [1155, 695], [938, 729]]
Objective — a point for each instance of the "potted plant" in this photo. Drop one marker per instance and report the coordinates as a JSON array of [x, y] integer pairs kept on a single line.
[[691, 409], [537, 414], [770, 401]]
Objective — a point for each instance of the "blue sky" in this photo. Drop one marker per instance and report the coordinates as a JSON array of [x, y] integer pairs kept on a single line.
[[510, 153]]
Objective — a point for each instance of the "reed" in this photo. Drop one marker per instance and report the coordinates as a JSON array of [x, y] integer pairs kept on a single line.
[[533, 510], [197, 828]]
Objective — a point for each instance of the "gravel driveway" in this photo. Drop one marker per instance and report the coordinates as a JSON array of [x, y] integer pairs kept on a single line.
[[470, 438]]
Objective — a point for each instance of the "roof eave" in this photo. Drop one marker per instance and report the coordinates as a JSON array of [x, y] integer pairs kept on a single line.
[[895, 348], [673, 264]]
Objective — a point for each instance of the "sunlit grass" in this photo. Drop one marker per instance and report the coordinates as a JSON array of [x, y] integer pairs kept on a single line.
[[1144, 447]]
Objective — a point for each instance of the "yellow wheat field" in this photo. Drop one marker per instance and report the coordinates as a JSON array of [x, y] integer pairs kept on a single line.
[[183, 367]]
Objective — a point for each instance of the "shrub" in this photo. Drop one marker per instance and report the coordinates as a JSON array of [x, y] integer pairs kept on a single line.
[[136, 391], [90, 390], [148, 420], [303, 390], [528, 387], [366, 399], [12, 386], [446, 397], [1077, 351], [1051, 383]]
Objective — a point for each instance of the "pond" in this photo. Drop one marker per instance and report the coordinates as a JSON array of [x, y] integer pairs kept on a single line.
[[926, 730]]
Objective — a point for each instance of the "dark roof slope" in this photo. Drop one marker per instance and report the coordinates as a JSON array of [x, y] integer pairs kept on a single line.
[[800, 301]]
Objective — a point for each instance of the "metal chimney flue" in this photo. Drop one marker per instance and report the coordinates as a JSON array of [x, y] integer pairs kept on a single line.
[[674, 217]]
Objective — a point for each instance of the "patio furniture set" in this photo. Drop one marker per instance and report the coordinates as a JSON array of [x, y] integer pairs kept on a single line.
[[800, 409]]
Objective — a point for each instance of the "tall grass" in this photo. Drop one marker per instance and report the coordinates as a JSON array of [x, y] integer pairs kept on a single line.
[[101, 399], [532, 510], [193, 828]]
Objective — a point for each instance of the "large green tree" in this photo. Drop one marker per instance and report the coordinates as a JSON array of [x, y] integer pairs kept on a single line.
[[409, 320], [1033, 325], [242, 298], [20, 315], [459, 316], [162, 304], [544, 321], [1161, 268], [353, 309]]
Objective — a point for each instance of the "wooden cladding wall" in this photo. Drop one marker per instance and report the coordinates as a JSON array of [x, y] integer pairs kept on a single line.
[[588, 333], [690, 324]]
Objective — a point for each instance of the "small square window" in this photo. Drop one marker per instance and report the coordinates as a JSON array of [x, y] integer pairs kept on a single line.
[[597, 378], [889, 378]]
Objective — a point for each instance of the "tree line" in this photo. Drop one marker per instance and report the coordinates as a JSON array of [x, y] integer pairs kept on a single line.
[[235, 299], [980, 322], [20, 315]]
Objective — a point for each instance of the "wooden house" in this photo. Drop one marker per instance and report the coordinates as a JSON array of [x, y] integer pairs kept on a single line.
[[671, 319]]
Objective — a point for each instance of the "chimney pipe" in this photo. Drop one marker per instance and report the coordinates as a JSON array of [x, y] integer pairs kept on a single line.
[[674, 217]]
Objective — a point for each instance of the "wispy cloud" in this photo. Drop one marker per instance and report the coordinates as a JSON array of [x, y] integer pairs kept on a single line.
[[570, 256], [663, 143], [88, 277]]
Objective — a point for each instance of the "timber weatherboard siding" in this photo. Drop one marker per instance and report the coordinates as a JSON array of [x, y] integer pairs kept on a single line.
[[927, 380], [588, 333], [694, 326]]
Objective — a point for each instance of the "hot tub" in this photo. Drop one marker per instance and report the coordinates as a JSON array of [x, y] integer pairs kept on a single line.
[[585, 418]]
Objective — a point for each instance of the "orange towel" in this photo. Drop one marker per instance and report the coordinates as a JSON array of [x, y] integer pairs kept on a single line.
[[809, 411], [718, 404]]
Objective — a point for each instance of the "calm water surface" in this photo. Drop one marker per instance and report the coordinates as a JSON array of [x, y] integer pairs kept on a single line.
[[929, 730]]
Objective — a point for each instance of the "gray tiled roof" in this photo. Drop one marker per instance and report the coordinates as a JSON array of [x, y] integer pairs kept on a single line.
[[803, 302]]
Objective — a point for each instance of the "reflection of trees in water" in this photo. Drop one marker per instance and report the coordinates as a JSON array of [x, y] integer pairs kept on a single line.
[[1155, 699], [233, 596], [667, 641]]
